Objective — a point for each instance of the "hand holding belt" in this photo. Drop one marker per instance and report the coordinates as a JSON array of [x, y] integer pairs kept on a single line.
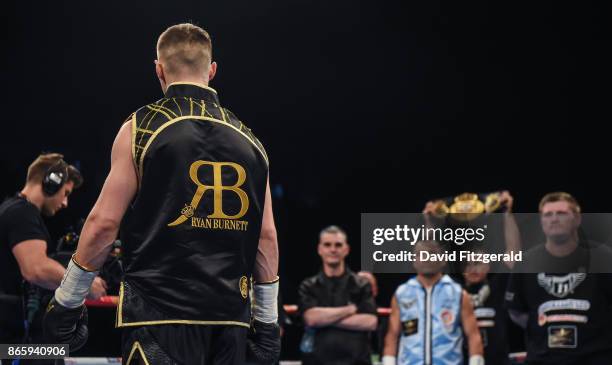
[[263, 341], [468, 206]]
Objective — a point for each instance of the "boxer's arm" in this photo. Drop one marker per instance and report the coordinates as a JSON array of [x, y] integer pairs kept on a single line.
[[266, 261], [102, 224], [393, 333], [65, 319], [470, 326], [263, 341]]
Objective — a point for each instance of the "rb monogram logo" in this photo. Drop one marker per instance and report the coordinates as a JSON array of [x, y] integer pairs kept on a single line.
[[217, 189]]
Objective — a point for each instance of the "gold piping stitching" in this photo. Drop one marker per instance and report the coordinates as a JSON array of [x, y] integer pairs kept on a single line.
[[161, 110], [136, 346], [120, 323], [184, 321], [178, 106], [192, 117]]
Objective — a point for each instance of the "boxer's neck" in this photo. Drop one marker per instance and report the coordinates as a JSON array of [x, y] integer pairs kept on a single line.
[[429, 280], [186, 79]]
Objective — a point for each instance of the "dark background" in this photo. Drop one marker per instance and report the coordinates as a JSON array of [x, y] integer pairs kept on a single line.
[[363, 106]]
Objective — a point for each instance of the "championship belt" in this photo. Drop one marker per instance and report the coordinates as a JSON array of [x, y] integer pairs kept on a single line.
[[468, 206], [469, 210]]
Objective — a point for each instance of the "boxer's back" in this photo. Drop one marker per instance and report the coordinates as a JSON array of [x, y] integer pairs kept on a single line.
[[190, 236]]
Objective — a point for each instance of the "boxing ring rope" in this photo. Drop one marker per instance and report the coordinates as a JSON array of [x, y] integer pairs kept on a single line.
[[111, 301]]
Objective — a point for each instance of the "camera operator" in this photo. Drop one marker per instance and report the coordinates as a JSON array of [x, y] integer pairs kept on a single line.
[[23, 247]]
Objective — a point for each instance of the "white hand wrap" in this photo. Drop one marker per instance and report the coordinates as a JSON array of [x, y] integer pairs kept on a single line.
[[389, 360], [476, 360], [75, 285], [265, 306]]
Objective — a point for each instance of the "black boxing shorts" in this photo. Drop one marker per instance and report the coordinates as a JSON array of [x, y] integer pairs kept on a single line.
[[170, 344]]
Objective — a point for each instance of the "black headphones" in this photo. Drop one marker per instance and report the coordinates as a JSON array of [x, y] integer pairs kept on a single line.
[[55, 177]]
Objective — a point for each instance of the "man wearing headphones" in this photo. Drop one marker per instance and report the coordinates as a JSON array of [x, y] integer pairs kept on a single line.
[[24, 239]]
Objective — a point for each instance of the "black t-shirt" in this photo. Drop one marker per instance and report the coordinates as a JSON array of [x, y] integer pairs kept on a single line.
[[568, 311], [19, 221], [492, 316], [587, 257], [334, 345]]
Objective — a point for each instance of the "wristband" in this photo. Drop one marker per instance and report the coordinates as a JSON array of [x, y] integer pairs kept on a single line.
[[75, 285], [389, 360], [476, 360], [265, 306]]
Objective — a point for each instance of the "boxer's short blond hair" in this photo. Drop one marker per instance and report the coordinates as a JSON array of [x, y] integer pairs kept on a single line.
[[185, 49]]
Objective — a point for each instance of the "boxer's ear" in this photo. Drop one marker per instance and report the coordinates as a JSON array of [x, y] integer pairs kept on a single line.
[[159, 71], [212, 71]]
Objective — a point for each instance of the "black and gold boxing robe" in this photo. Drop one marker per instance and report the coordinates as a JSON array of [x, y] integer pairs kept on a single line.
[[191, 234]]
